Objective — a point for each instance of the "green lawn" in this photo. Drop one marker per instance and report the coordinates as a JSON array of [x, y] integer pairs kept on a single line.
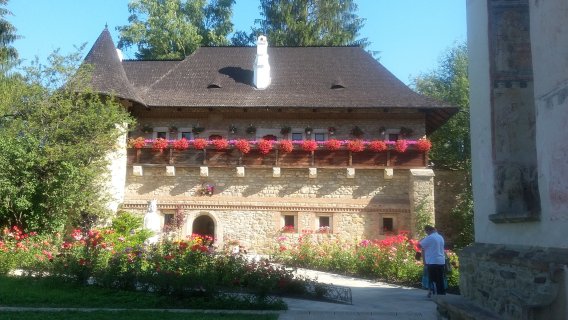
[[52, 293], [129, 315]]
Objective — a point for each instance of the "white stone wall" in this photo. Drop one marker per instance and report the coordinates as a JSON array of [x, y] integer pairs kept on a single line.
[[549, 44], [116, 179]]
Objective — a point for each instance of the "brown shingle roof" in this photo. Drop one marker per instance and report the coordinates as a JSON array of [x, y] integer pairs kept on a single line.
[[301, 77], [108, 75]]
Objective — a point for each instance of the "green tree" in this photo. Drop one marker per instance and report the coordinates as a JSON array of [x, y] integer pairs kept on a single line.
[[173, 29], [308, 23], [54, 142], [7, 36], [451, 142]]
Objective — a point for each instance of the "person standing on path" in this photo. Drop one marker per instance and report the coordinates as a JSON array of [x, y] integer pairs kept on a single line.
[[433, 247]]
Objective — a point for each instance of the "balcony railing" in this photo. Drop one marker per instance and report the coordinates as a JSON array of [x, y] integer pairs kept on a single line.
[[232, 157]]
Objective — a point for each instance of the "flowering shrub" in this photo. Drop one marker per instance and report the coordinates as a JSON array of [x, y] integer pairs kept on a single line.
[[200, 143], [243, 145], [423, 145], [220, 144], [400, 146], [264, 146], [137, 143], [391, 259], [309, 145], [288, 229], [181, 144], [378, 146], [332, 144], [355, 145], [207, 189], [160, 144], [286, 146], [181, 268]]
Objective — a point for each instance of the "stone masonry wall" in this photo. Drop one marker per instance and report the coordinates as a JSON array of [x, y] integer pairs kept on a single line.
[[250, 209]]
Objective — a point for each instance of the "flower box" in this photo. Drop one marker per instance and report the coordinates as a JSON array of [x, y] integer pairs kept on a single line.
[[338, 158], [256, 158], [369, 158], [298, 158]]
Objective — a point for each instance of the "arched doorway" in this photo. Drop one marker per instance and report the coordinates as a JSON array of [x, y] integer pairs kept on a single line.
[[204, 225]]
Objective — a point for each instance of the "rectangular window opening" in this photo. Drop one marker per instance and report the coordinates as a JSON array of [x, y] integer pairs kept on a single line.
[[388, 224]]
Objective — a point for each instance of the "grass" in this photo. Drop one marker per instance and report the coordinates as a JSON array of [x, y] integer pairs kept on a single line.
[[54, 293], [129, 315]]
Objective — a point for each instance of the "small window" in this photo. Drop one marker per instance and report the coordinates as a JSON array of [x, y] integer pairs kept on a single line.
[[388, 224], [324, 222], [186, 135], [161, 134], [296, 136], [168, 219], [215, 137], [289, 221], [393, 136], [270, 137], [319, 136]]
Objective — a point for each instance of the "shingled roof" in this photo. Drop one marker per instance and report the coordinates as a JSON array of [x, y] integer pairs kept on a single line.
[[108, 76], [311, 77]]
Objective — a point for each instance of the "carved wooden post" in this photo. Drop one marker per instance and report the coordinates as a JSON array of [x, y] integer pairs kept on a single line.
[[138, 151], [171, 159], [312, 158], [204, 156], [350, 161]]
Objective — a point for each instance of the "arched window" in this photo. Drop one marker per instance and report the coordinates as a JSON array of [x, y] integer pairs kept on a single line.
[[215, 137], [270, 137]]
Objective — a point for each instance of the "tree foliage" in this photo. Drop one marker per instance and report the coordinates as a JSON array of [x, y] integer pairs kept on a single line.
[[54, 142], [173, 29], [7, 36], [307, 23], [451, 142]]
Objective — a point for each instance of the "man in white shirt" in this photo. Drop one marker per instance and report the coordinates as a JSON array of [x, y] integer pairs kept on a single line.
[[433, 247]]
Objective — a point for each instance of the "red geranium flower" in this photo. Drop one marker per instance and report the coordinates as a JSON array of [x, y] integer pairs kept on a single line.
[[400, 146], [160, 144], [264, 146], [333, 144], [243, 145], [181, 144], [286, 146], [355, 145], [220, 144], [199, 143], [137, 143], [378, 146], [309, 145], [423, 145]]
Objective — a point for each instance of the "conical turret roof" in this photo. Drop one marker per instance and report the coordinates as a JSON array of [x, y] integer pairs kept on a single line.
[[108, 75]]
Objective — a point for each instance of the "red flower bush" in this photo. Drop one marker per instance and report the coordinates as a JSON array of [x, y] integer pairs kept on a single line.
[[355, 145], [181, 144], [137, 143], [333, 144], [264, 146], [400, 146], [309, 145], [220, 144], [243, 145], [286, 146], [160, 144], [199, 143], [423, 145], [378, 146]]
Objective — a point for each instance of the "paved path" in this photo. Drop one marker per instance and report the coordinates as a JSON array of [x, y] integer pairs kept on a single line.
[[371, 300]]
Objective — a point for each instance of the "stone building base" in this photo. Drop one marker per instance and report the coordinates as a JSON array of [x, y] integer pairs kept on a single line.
[[509, 282]]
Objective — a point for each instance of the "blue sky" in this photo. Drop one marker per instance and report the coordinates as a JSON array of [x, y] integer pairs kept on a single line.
[[411, 35]]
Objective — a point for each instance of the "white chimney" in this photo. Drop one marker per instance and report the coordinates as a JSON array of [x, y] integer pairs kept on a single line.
[[261, 66]]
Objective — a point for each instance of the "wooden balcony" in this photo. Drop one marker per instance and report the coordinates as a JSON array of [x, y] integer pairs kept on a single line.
[[296, 159]]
